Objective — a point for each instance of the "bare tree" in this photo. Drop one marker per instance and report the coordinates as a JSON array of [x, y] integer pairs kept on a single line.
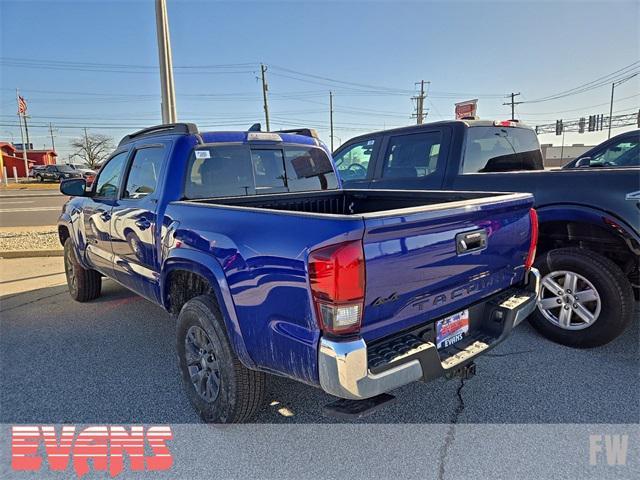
[[92, 148]]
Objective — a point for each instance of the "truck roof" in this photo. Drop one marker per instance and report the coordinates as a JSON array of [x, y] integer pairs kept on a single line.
[[303, 136], [464, 122]]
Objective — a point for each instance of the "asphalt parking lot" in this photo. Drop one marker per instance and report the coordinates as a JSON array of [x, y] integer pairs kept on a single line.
[[113, 361]]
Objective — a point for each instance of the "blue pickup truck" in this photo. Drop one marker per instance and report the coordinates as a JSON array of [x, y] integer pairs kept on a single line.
[[272, 268]]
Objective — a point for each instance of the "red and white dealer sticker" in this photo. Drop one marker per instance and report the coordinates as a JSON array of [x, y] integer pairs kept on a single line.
[[452, 329]]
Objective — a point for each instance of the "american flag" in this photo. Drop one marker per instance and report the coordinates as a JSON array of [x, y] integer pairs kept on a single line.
[[22, 105]]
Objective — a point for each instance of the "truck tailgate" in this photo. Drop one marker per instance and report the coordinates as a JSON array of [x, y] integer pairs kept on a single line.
[[417, 270]]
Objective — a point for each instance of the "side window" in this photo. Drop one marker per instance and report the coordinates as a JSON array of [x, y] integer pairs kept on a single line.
[[268, 169], [412, 156], [109, 177], [144, 172], [353, 161], [308, 169], [624, 153], [221, 171]]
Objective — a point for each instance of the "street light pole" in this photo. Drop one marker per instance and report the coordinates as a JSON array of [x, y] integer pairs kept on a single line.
[[169, 114]]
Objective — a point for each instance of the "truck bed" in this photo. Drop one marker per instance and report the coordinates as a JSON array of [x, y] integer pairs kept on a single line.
[[371, 203]]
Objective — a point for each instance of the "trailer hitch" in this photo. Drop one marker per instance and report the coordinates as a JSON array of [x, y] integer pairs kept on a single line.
[[465, 372]]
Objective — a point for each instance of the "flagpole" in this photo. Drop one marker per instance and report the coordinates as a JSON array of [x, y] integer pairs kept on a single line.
[[24, 149]]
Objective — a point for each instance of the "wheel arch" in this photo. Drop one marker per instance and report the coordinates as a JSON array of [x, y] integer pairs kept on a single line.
[[589, 228], [205, 269]]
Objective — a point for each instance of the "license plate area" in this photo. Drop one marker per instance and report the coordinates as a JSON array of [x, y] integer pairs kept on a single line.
[[452, 329]]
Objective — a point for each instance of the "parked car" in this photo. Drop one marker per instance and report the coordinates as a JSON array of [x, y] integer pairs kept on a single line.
[[272, 267], [589, 250], [35, 169], [87, 173], [57, 173], [620, 151]]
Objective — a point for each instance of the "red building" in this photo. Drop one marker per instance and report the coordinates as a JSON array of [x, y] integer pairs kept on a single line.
[[11, 157]]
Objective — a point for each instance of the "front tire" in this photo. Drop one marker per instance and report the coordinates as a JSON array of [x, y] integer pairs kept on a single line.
[[84, 284], [585, 299], [220, 388]]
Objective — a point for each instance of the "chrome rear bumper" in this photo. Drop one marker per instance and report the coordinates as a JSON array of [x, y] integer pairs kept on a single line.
[[344, 369]]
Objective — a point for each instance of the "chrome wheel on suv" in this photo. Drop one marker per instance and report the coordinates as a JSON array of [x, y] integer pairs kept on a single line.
[[568, 300]]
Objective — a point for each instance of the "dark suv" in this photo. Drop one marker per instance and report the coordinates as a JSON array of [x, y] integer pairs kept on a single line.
[[57, 173]]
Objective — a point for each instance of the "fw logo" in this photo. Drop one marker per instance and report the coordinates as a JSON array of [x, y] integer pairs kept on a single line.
[[104, 447], [612, 448]]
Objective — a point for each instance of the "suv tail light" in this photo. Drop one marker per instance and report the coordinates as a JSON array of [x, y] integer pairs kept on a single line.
[[337, 278], [531, 256]]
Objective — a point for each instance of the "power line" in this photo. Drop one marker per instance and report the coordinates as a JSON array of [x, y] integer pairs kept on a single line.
[[604, 80]]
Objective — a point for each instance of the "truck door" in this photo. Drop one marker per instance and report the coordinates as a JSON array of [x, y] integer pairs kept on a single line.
[[96, 214], [134, 225], [414, 161]]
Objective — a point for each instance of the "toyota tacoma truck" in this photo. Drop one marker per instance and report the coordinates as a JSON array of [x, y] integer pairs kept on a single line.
[[272, 268], [589, 247]]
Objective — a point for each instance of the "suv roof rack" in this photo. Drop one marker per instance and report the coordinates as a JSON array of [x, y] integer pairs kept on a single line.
[[167, 128], [307, 132]]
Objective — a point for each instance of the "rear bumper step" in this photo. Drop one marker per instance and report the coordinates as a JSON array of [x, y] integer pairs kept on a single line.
[[351, 369]]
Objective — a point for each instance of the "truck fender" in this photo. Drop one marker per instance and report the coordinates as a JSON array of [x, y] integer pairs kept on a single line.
[[208, 267], [577, 213], [71, 223]]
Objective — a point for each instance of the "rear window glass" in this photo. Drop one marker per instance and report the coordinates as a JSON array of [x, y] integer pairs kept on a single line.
[[237, 170], [501, 149]]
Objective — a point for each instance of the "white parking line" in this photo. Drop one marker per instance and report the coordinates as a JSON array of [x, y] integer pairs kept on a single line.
[[30, 209]]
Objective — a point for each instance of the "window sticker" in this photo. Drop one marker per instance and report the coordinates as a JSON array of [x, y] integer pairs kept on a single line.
[[203, 154]]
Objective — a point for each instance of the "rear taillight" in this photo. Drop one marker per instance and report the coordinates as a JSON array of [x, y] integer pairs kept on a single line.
[[531, 256], [337, 278]]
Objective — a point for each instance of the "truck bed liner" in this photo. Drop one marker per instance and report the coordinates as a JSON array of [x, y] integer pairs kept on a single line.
[[355, 202]]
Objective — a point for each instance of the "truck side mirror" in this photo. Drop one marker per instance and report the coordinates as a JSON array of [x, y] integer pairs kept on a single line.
[[583, 162], [74, 187]]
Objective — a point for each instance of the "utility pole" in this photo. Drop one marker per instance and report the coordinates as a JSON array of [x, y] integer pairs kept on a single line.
[[265, 87], [53, 143], [613, 86], [24, 146], [331, 116], [169, 114], [420, 104], [513, 104]]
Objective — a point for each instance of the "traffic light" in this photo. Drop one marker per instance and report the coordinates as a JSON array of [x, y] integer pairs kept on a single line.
[[558, 127], [592, 123], [581, 125]]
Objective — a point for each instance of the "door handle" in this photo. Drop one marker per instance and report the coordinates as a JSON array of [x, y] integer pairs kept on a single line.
[[143, 224], [106, 216], [474, 241]]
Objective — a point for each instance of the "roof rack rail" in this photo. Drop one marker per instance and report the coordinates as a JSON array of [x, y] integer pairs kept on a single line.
[[167, 128], [307, 132]]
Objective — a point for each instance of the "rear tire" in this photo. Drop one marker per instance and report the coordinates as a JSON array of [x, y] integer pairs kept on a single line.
[[593, 315], [84, 284], [220, 388], [40, 179]]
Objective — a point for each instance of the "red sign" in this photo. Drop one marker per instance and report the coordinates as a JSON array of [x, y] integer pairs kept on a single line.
[[466, 109], [106, 446]]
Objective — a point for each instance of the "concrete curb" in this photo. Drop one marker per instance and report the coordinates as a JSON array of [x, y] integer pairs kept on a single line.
[[53, 252]]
